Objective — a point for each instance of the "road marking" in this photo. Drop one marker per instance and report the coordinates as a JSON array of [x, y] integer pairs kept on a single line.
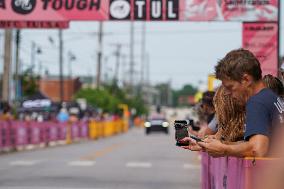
[[191, 166], [24, 163], [102, 152], [40, 187], [82, 163], [139, 165]]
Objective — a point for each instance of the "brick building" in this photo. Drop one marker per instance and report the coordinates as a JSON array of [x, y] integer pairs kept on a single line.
[[51, 88]]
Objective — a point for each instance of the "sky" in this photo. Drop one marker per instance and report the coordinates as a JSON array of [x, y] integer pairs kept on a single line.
[[179, 52]]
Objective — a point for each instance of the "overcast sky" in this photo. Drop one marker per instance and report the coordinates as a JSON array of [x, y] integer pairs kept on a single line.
[[180, 52]]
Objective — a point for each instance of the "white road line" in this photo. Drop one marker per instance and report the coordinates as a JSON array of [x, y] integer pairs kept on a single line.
[[82, 163], [191, 166], [138, 165], [40, 187], [24, 163]]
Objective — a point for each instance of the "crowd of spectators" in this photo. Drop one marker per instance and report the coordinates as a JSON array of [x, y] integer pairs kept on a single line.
[[244, 115]]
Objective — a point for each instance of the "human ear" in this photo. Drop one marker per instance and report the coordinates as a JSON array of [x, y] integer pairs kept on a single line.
[[247, 80]]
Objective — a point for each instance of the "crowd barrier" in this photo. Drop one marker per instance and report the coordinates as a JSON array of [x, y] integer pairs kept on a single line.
[[231, 172], [14, 134]]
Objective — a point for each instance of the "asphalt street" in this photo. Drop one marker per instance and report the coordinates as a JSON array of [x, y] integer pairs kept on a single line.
[[126, 161]]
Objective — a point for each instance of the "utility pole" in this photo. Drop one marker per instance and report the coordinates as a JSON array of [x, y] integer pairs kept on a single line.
[[61, 88], [147, 69], [147, 62], [33, 51], [7, 65], [143, 49], [170, 95], [117, 55], [124, 71], [71, 57], [99, 54], [105, 69], [17, 80], [39, 68], [131, 68]]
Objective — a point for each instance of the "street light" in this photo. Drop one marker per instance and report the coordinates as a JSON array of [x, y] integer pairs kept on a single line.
[[60, 48], [71, 57], [36, 49]]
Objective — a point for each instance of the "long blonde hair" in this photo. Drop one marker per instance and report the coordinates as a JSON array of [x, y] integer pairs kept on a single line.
[[230, 116]]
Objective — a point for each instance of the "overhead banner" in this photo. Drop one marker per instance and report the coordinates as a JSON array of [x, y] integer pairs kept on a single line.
[[34, 24], [262, 39], [147, 10]]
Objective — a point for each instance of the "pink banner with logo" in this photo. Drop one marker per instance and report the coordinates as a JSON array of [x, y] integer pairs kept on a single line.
[[253, 10], [261, 39], [148, 10]]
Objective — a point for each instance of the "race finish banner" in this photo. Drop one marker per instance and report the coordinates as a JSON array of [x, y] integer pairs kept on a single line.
[[145, 10], [262, 39]]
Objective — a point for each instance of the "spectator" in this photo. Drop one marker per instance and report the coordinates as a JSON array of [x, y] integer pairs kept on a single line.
[[6, 115], [208, 110], [230, 117], [240, 74], [274, 84], [63, 115]]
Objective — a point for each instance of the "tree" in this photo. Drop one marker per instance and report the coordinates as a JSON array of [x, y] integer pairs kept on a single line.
[[109, 97], [99, 98], [187, 90], [29, 83]]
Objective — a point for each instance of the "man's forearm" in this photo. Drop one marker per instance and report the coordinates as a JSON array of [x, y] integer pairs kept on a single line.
[[239, 149]]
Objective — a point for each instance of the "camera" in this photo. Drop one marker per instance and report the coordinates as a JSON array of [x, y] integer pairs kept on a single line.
[[181, 131], [193, 126]]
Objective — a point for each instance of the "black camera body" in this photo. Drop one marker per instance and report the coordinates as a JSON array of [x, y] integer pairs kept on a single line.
[[181, 131], [193, 126]]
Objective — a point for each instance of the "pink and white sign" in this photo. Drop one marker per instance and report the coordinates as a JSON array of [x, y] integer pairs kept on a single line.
[[200, 10], [148, 10], [53, 10], [256, 10], [261, 39]]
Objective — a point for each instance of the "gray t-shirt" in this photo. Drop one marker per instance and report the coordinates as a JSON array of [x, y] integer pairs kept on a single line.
[[213, 125]]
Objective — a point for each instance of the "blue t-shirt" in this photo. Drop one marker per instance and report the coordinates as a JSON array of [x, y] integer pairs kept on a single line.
[[264, 111]]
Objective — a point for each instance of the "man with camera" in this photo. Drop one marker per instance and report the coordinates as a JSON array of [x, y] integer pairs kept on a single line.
[[241, 76]]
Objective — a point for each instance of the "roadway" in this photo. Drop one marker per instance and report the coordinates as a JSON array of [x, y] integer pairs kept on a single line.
[[126, 161]]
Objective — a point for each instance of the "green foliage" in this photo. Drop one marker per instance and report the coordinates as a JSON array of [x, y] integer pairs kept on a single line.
[[99, 98], [109, 97], [29, 83], [138, 104], [187, 90]]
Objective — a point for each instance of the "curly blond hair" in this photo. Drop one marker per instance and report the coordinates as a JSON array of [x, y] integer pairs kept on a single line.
[[230, 117]]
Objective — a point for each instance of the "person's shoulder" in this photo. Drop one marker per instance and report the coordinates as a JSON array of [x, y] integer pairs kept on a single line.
[[265, 95], [265, 98]]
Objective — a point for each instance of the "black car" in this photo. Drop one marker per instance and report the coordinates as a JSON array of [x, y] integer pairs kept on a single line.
[[157, 124]]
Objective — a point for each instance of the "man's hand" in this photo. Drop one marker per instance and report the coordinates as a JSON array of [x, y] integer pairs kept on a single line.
[[193, 146], [213, 147], [192, 132]]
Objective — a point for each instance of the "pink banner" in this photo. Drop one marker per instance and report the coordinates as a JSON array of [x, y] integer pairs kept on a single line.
[[235, 173], [35, 131], [34, 24], [20, 130], [261, 39], [84, 129], [148, 10], [255, 10]]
